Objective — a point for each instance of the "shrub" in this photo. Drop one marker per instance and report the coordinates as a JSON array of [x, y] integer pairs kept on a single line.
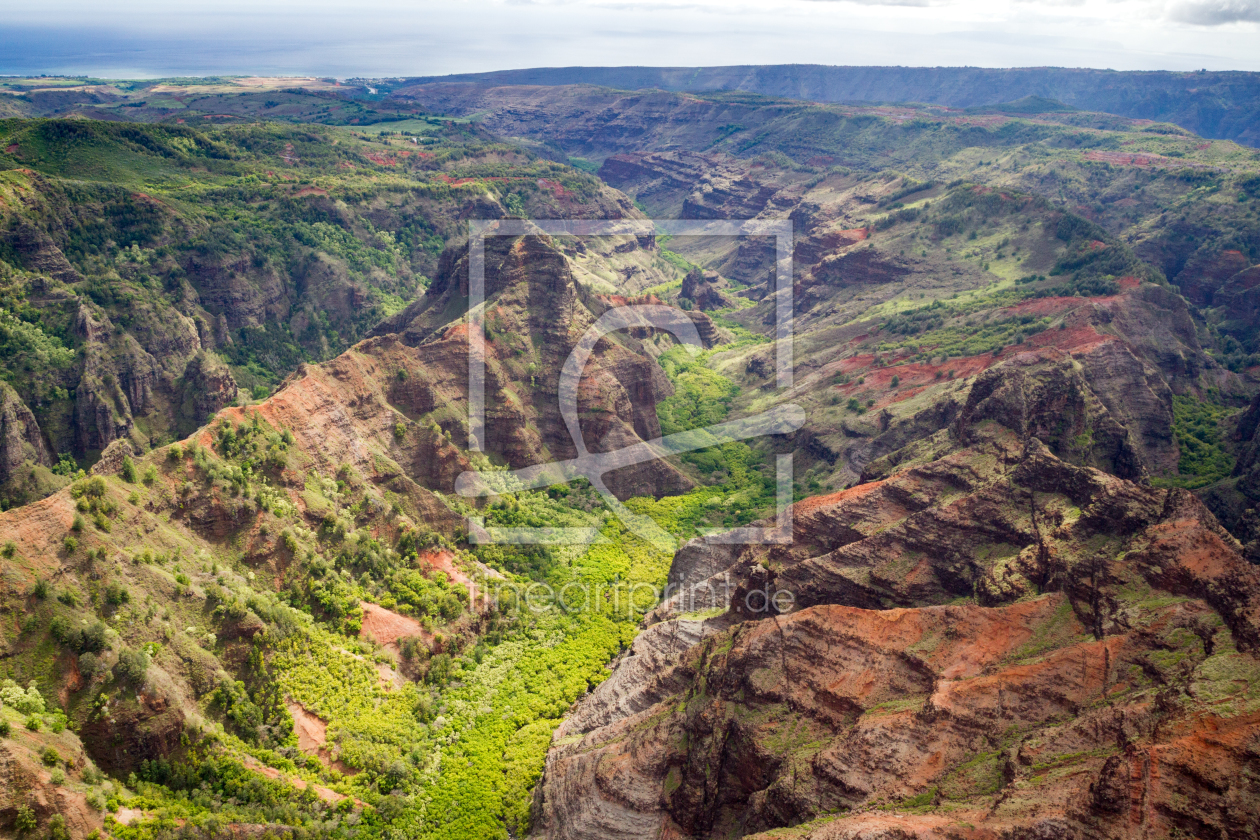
[[25, 821], [28, 702], [129, 470], [32, 723], [10, 549], [59, 628], [132, 665], [40, 589], [89, 664], [50, 757], [116, 594], [93, 488], [175, 453], [150, 474], [69, 544], [90, 639], [6, 729], [57, 826]]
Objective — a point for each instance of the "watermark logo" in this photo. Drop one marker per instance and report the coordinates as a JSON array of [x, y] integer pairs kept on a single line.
[[594, 466], [633, 600]]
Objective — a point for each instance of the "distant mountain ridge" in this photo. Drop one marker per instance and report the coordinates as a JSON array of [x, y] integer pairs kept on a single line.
[[1219, 105]]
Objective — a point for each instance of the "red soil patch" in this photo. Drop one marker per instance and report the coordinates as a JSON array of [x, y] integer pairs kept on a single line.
[[322, 792], [557, 189], [813, 503], [622, 300], [914, 373], [456, 331], [386, 627], [345, 164], [380, 159], [310, 191], [1129, 282], [1082, 339], [443, 559], [11, 150], [126, 816], [37, 530], [312, 731]]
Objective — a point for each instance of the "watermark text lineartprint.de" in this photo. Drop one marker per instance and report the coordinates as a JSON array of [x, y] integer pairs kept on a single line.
[[594, 466]]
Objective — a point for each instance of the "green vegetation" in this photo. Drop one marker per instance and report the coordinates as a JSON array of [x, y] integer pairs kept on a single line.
[[1205, 459], [702, 397], [933, 337]]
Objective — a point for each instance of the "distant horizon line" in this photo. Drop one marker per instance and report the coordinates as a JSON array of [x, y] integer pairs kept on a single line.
[[563, 67]]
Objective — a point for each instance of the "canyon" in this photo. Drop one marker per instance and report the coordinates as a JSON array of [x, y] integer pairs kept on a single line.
[[241, 593]]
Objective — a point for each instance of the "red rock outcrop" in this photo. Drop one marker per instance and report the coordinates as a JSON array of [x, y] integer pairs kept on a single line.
[[993, 643]]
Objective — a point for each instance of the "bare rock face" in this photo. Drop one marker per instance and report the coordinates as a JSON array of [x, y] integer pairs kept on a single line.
[[1205, 273], [995, 637], [535, 316], [207, 387], [20, 438], [40, 253], [235, 289], [131, 729], [700, 287], [111, 460]]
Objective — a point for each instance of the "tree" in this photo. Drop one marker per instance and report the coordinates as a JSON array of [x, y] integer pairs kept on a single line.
[[25, 821], [132, 665]]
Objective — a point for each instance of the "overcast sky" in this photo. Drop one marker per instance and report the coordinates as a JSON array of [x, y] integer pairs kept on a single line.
[[379, 38]]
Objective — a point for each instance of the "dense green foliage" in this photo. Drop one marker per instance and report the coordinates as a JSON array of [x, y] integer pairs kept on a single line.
[[702, 397], [1205, 458]]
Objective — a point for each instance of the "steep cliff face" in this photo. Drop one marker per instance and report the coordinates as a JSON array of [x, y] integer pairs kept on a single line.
[[536, 313], [20, 440], [995, 641]]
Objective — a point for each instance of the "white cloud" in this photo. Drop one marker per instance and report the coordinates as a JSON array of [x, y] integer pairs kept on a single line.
[[881, 2], [431, 37], [1215, 12]]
